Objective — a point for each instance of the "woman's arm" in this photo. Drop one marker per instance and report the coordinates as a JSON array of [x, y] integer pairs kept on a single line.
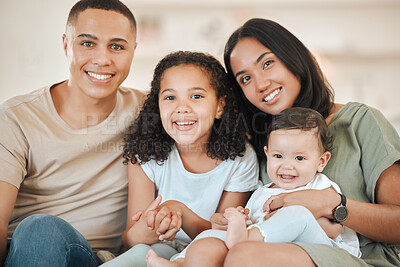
[[8, 196], [380, 221]]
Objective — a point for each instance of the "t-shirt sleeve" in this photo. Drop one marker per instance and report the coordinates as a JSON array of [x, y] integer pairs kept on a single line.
[[14, 150], [245, 177], [149, 169], [380, 146]]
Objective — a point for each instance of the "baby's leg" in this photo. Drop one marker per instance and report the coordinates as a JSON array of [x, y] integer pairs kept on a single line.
[[237, 230], [153, 260]]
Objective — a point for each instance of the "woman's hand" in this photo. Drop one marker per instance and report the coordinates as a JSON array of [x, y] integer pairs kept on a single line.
[[319, 202]]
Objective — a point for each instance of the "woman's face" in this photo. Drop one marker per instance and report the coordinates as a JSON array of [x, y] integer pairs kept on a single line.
[[264, 79]]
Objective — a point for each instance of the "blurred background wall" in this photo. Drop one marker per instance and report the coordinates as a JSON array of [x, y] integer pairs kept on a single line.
[[357, 42]]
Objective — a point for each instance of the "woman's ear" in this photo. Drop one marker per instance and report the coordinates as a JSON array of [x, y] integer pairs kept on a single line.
[[323, 160], [220, 107]]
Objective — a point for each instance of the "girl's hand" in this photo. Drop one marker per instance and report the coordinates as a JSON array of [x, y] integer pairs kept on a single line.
[[219, 222], [166, 219]]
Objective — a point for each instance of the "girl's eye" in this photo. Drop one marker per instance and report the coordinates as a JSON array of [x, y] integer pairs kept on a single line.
[[197, 96], [117, 47], [300, 158], [245, 79], [278, 156], [267, 63], [87, 44], [169, 98]]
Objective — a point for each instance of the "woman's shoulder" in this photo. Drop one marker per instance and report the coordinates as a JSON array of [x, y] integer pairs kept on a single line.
[[356, 113]]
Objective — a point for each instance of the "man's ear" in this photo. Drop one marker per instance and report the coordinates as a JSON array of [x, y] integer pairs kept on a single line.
[[220, 108], [323, 160], [65, 43]]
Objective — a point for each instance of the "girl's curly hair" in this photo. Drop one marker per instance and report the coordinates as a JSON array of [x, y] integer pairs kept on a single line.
[[147, 140]]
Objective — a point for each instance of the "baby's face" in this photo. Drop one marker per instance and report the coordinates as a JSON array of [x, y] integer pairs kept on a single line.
[[293, 157]]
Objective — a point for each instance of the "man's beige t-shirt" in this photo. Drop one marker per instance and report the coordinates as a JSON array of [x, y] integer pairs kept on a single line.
[[77, 175]]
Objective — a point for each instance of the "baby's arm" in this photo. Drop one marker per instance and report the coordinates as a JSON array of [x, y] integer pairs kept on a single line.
[[331, 229]]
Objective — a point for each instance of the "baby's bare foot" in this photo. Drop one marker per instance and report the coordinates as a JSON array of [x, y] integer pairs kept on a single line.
[[237, 230], [153, 260]]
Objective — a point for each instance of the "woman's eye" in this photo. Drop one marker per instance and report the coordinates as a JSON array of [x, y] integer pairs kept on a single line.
[[169, 98], [245, 79], [267, 63], [117, 47], [299, 158], [278, 156]]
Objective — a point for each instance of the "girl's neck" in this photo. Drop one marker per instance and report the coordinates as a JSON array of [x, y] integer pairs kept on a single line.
[[195, 159]]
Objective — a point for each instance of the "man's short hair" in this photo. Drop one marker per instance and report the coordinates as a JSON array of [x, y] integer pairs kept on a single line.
[[109, 5]]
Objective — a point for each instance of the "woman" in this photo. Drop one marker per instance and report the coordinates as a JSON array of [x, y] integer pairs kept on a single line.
[[272, 71]]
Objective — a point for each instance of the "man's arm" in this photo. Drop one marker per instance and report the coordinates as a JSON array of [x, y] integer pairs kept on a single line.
[[8, 196]]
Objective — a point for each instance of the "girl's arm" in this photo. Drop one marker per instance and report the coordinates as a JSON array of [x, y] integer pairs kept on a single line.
[[141, 192], [377, 221]]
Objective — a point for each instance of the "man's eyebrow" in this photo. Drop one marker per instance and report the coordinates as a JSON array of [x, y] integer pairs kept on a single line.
[[87, 35], [91, 36], [117, 40]]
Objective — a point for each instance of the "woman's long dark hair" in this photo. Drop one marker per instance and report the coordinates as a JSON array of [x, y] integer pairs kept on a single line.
[[316, 93], [147, 140]]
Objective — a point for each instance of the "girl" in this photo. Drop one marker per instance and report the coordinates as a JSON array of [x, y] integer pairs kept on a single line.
[[273, 71], [188, 145]]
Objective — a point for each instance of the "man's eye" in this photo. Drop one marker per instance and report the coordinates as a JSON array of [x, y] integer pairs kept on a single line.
[[299, 158], [117, 47], [87, 44]]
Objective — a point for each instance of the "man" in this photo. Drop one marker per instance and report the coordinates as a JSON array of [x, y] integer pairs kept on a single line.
[[63, 187]]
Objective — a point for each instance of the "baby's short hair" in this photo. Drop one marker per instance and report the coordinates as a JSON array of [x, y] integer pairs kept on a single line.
[[304, 119]]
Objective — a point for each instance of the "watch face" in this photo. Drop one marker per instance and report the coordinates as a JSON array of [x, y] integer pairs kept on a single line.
[[340, 213]]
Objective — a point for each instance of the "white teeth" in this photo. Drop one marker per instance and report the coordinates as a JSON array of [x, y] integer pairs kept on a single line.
[[272, 95], [99, 76], [184, 123]]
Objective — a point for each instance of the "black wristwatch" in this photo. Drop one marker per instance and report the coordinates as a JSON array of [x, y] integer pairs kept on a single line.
[[340, 213]]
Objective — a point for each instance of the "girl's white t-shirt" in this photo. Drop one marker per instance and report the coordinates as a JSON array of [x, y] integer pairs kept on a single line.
[[201, 192]]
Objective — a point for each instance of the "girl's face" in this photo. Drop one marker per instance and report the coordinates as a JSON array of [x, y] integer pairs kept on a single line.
[[264, 79], [188, 105], [293, 157]]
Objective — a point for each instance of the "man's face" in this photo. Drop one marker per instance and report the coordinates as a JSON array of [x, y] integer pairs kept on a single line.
[[99, 47]]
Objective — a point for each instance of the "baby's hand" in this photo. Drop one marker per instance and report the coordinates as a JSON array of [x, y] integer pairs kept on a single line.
[[234, 214]]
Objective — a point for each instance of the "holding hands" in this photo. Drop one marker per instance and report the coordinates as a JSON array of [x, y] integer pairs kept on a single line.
[[157, 222]]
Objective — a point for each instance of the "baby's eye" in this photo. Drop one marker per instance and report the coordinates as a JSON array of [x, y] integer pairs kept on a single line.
[[267, 63], [300, 158], [278, 156], [245, 79], [197, 96], [117, 47]]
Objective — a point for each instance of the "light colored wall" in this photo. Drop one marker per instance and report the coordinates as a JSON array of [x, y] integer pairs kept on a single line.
[[356, 42]]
